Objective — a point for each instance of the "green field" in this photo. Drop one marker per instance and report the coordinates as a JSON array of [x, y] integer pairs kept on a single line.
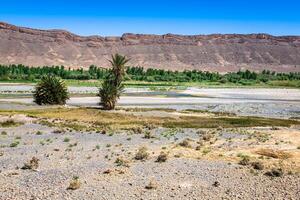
[[165, 85]]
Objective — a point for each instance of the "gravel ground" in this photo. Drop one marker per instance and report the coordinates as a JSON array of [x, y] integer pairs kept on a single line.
[[275, 103], [89, 155]]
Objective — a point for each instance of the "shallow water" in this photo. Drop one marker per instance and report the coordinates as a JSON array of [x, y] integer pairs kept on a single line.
[[278, 103]]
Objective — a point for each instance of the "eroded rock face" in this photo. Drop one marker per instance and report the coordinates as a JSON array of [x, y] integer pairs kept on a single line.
[[216, 52]]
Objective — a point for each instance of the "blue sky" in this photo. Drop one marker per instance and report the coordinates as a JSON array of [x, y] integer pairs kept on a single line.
[[92, 17]]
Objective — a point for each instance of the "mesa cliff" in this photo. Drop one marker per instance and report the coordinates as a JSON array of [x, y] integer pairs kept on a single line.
[[216, 52]]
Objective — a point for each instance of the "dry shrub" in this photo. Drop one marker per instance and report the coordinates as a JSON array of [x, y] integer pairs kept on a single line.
[[74, 184], [275, 172], [279, 154], [162, 157], [32, 164], [257, 165], [244, 161], [122, 162], [142, 154], [185, 143]]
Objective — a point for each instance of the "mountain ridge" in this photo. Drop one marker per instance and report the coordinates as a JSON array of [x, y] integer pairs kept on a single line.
[[214, 52]]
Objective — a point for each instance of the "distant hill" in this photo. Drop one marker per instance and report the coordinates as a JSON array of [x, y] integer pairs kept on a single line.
[[217, 52]]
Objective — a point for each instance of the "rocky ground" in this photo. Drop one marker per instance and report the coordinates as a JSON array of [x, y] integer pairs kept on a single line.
[[47, 162], [275, 103]]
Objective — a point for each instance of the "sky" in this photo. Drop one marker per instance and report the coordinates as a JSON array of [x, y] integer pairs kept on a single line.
[[191, 17]]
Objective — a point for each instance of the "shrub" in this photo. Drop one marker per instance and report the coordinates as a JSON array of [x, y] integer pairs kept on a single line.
[[148, 135], [275, 172], [9, 123], [74, 184], [39, 133], [32, 164], [162, 157], [245, 160], [51, 90], [14, 144], [185, 143], [122, 162], [257, 165], [3, 133], [142, 154]]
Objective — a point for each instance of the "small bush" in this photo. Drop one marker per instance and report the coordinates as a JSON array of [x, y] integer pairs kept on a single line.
[[74, 184], [184, 143], [66, 139], [51, 90], [122, 162], [14, 144], [142, 154], [207, 137], [275, 172], [162, 157], [9, 123], [137, 130], [148, 135], [245, 160], [198, 148], [3, 133], [33, 164], [257, 165], [39, 133]]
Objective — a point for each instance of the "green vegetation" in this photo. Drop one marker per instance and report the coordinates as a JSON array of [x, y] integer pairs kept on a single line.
[[87, 119], [112, 86], [51, 90], [9, 123], [138, 76], [66, 139], [14, 144]]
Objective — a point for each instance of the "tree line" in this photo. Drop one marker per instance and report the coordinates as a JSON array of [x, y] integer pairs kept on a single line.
[[22, 72]]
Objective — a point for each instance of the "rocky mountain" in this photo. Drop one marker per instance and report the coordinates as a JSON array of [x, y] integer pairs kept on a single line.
[[216, 52]]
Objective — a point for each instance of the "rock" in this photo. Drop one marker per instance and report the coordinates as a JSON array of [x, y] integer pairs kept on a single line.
[[216, 184], [152, 185]]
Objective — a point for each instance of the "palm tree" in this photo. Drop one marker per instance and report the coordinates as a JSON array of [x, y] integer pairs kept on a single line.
[[51, 90], [112, 86]]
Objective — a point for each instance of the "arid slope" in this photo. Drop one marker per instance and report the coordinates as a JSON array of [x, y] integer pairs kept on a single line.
[[223, 53]]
